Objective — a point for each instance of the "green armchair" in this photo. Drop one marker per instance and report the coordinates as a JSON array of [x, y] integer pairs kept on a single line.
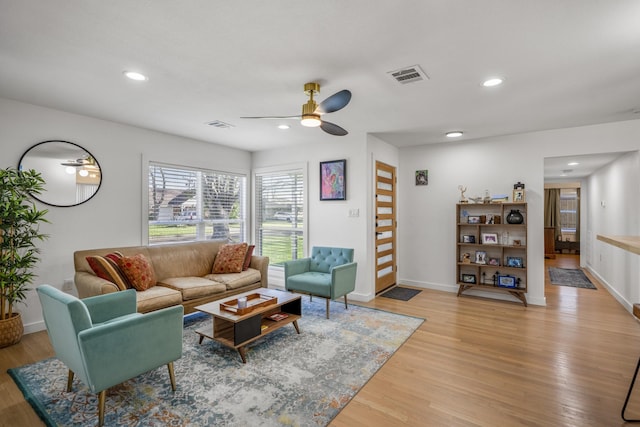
[[329, 273], [104, 341]]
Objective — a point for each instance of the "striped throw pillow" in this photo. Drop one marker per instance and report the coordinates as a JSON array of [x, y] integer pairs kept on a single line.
[[106, 267]]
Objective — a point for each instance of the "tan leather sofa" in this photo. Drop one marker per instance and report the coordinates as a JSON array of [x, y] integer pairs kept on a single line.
[[183, 272]]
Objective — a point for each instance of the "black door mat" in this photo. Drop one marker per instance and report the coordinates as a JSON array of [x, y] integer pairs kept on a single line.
[[570, 277], [403, 294]]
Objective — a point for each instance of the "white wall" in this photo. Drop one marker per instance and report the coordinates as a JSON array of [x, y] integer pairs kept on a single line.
[[114, 217], [613, 208], [427, 213], [329, 223]]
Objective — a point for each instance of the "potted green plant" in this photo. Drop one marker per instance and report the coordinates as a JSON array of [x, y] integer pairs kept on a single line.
[[19, 232]]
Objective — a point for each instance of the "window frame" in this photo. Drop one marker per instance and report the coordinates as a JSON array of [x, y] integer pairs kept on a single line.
[[293, 167], [244, 198]]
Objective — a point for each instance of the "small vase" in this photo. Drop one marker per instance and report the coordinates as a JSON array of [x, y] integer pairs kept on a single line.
[[515, 217]]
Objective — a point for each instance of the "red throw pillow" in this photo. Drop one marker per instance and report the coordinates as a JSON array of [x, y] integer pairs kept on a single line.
[[230, 258], [106, 267], [247, 257], [139, 271]]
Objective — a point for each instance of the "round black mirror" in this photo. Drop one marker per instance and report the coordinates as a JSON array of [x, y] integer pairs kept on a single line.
[[71, 174]]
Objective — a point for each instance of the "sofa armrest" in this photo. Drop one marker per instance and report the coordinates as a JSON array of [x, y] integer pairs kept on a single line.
[[89, 285], [117, 351], [261, 263], [344, 279], [296, 266], [109, 306]]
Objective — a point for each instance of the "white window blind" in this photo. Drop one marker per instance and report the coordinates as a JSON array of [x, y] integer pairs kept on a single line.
[[187, 204], [568, 210], [280, 215]]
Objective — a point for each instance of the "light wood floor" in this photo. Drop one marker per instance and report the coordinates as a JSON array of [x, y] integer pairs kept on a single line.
[[474, 362], [477, 362]]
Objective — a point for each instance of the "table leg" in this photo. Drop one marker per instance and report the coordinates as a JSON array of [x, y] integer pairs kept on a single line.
[[295, 325], [243, 355], [201, 338]]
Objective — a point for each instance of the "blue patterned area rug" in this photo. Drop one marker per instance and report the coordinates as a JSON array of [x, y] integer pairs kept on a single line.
[[288, 380]]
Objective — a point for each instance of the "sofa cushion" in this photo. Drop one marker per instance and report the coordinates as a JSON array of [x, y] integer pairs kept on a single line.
[[236, 280], [312, 282], [156, 298], [230, 258], [193, 287], [247, 257], [193, 259], [139, 271], [106, 267]]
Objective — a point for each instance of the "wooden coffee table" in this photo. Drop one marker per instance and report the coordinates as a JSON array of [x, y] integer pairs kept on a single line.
[[237, 330]]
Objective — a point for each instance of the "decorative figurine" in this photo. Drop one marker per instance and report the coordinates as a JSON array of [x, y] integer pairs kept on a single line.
[[462, 190]]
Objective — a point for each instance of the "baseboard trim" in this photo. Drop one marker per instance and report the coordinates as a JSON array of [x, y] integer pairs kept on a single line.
[[34, 327]]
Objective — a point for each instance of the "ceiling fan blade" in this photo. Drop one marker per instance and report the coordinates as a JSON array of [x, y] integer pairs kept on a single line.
[[335, 102], [274, 117], [333, 129]]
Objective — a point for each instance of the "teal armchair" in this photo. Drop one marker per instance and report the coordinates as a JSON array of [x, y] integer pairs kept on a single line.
[[329, 273], [104, 341]]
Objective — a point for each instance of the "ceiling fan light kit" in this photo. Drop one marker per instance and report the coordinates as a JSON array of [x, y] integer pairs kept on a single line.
[[312, 112]]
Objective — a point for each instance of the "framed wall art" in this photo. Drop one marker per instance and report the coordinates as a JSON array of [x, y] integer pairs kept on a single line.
[[333, 180], [422, 177]]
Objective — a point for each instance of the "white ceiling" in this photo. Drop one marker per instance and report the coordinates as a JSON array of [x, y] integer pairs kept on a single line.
[[576, 167], [566, 63]]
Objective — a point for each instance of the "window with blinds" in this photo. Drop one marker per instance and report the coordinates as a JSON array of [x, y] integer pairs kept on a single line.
[[193, 204], [568, 210], [280, 200]]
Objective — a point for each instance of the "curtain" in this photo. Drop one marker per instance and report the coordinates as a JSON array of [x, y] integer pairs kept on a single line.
[[577, 214], [552, 210]]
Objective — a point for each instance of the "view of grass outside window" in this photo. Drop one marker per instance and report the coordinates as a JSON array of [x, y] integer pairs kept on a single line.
[[280, 215], [193, 204]]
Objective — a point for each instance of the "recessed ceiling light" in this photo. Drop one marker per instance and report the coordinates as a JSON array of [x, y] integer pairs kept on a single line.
[[573, 164], [454, 134], [494, 81], [283, 127], [133, 75]]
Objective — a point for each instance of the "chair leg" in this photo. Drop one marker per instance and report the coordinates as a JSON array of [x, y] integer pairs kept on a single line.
[[626, 400], [328, 300], [172, 376], [346, 306], [70, 380], [101, 398]]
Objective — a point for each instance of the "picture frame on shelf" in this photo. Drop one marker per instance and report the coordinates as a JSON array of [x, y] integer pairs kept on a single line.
[[333, 180], [481, 257], [473, 219], [468, 278], [489, 239], [493, 219], [468, 238], [518, 196], [506, 281], [514, 261], [494, 261]]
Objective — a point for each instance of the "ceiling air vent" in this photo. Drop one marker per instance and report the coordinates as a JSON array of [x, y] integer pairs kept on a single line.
[[409, 74], [220, 124]]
